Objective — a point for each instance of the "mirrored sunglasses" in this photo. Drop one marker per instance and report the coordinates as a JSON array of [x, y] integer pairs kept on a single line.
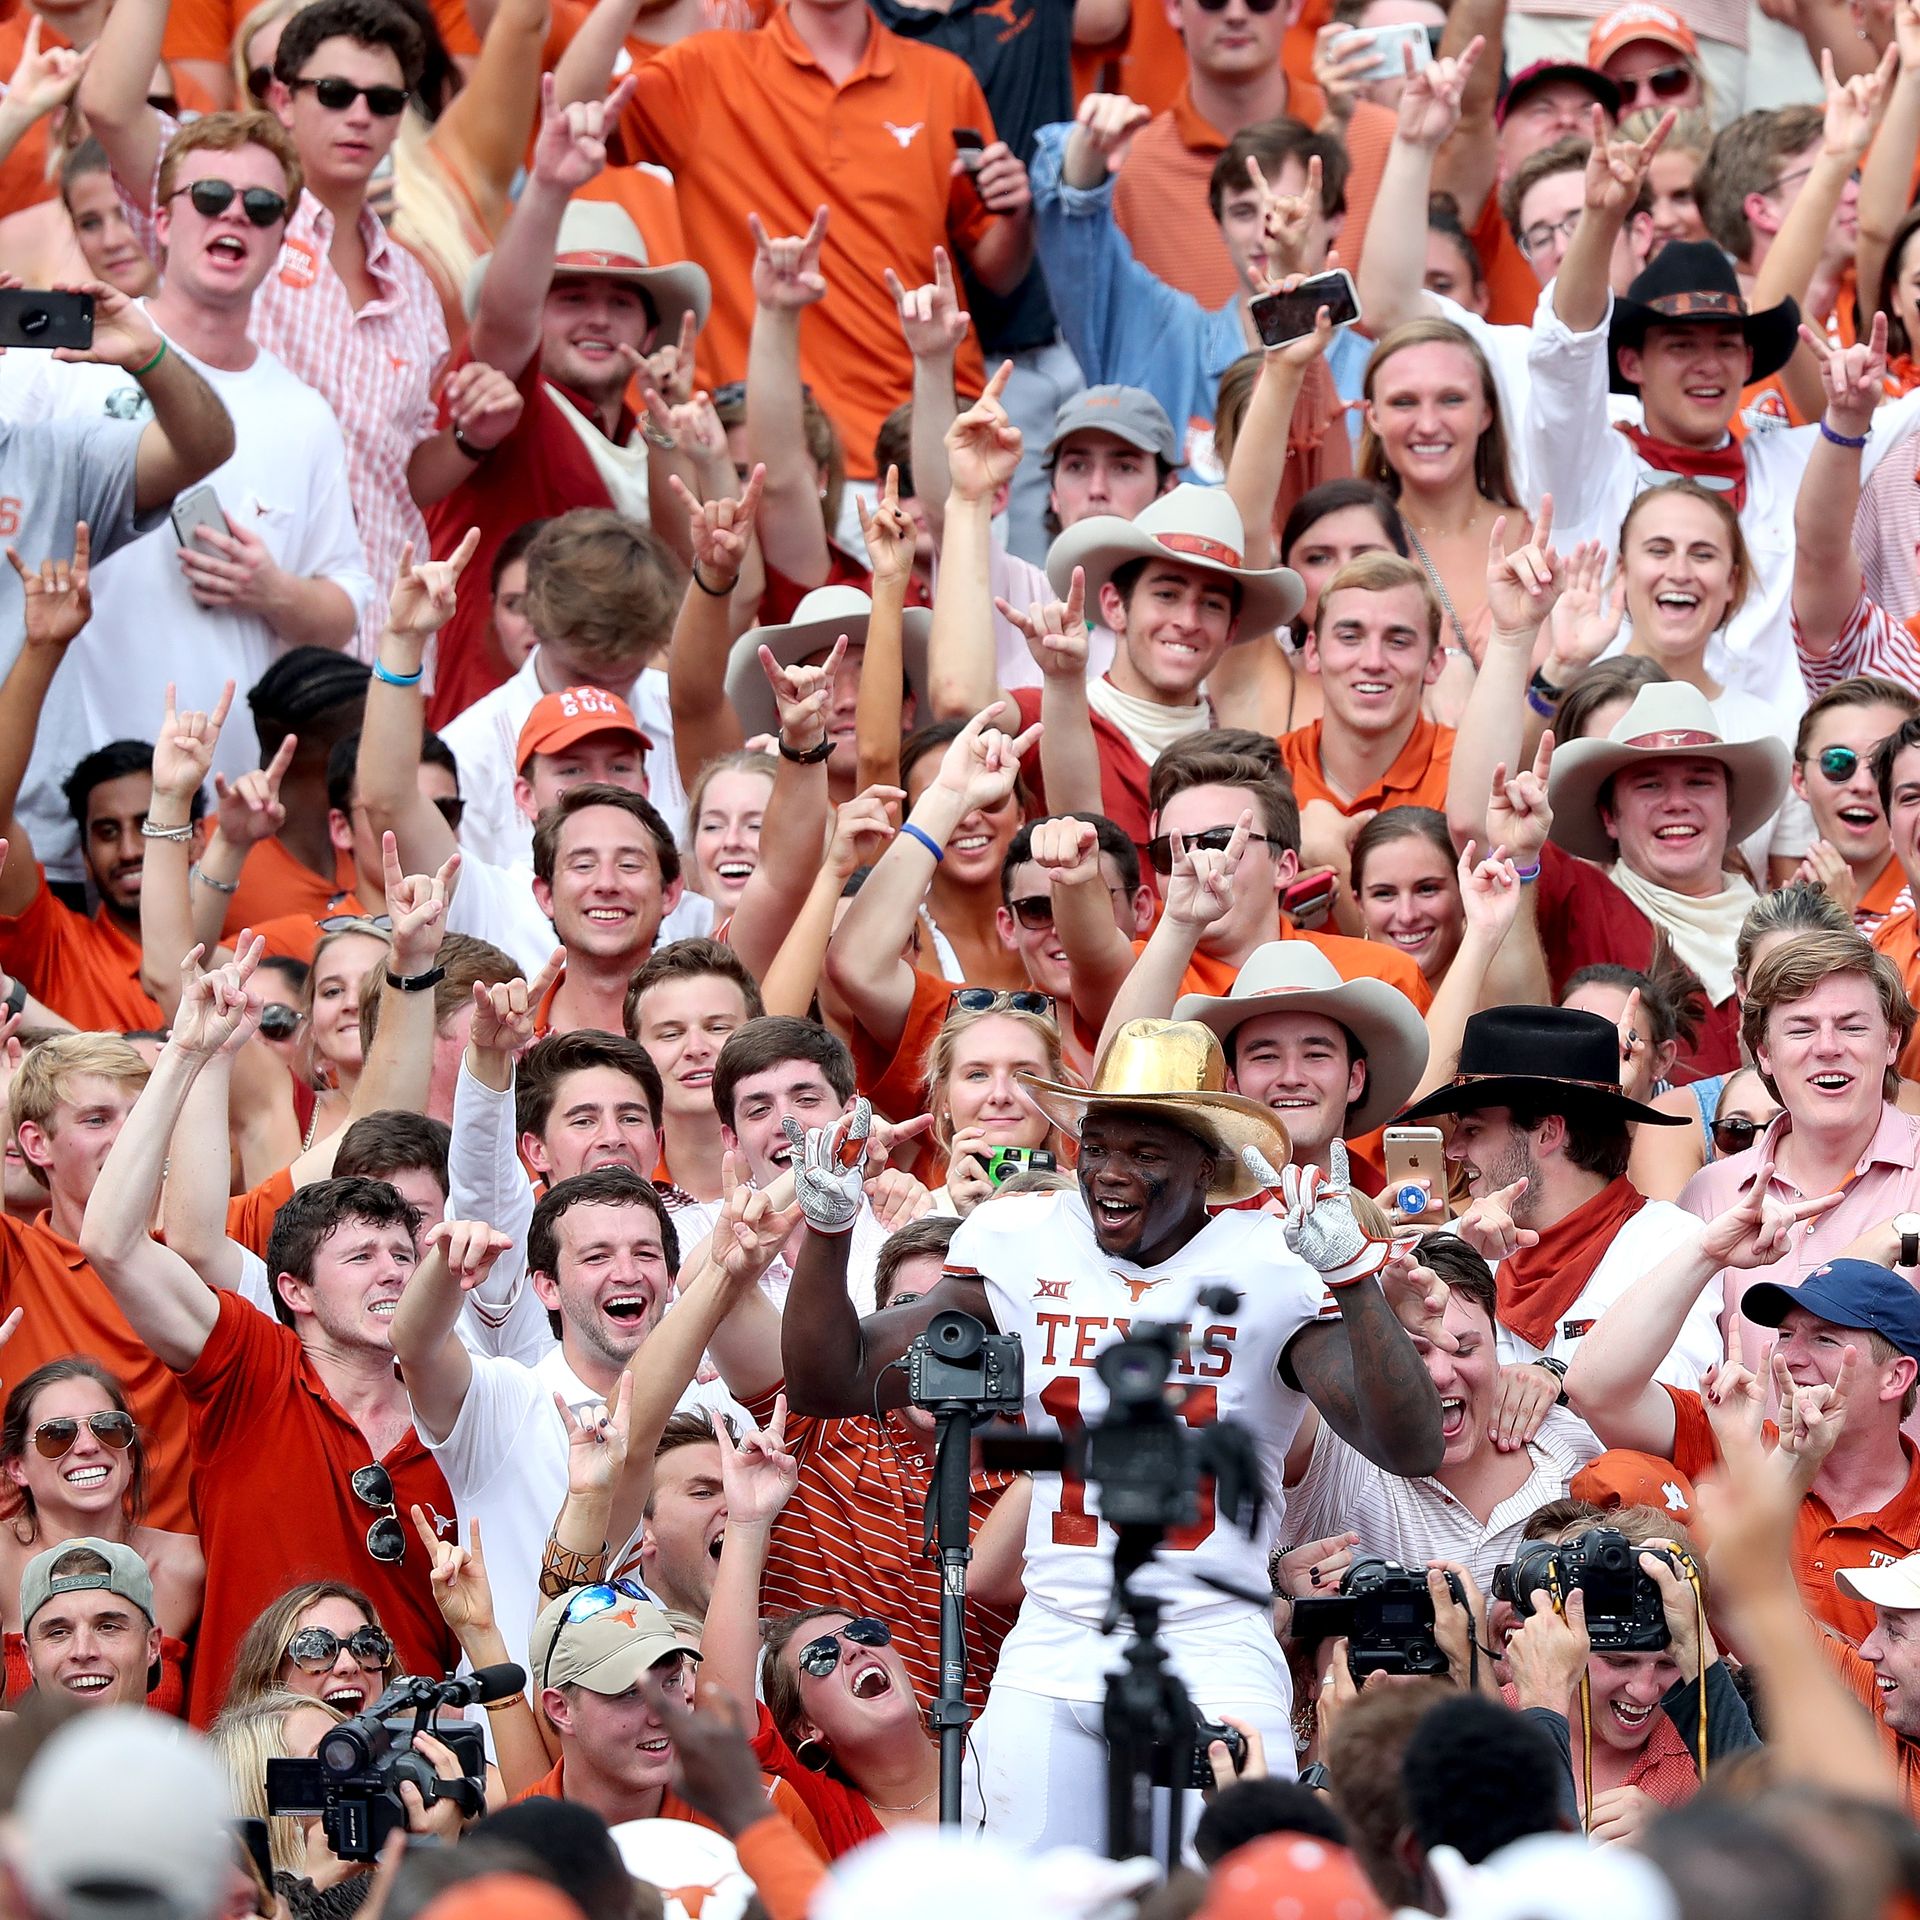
[[386, 1538], [315, 1649], [820, 1657], [54, 1438]]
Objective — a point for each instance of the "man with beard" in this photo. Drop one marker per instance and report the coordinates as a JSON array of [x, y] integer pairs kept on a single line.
[[1161, 1146]]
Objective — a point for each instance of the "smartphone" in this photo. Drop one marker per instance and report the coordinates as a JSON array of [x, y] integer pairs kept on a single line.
[[1389, 55], [1286, 316], [196, 508], [1004, 1162], [31, 318], [1416, 1189], [1308, 898], [970, 144]]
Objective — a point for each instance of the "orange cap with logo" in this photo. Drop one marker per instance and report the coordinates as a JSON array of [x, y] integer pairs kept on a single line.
[[559, 720]]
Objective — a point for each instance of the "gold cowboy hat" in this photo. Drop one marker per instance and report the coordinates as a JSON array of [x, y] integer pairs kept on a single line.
[[1171, 1070]]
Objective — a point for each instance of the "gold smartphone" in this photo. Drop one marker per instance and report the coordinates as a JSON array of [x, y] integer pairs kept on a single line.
[[1416, 1191]]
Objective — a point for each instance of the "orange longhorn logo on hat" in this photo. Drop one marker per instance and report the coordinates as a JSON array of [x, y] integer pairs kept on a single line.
[[624, 1616]]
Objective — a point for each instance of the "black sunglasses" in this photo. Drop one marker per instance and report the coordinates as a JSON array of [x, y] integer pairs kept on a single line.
[[259, 79], [337, 95], [584, 1603], [278, 1021], [1663, 83], [261, 205], [54, 1438], [1838, 764], [1035, 912], [820, 1657], [386, 1539], [993, 1000], [1208, 840], [1253, 6], [1735, 1134], [315, 1649], [452, 810]]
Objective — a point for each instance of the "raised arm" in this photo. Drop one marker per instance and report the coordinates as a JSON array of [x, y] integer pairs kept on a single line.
[[57, 603], [934, 323], [113, 94], [165, 1301], [182, 759], [45, 79], [982, 455], [786, 280], [1826, 570], [861, 827], [1886, 178], [435, 1367], [193, 1202], [587, 65], [704, 722], [757, 1478], [483, 130], [890, 541], [1393, 263], [1469, 164], [1615, 169], [1056, 636], [1002, 254], [1099, 955]]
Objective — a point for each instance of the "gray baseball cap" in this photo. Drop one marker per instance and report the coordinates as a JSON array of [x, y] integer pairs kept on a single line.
[[1128, 413], [126, 1575]]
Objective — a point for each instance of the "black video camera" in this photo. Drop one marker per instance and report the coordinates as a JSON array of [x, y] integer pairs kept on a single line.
[[1624, 1610], [958, 1361], [353, 1783], [1384, 1612]]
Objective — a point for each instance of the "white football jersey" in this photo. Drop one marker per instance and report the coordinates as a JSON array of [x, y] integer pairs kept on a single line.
[[1048, 1282]]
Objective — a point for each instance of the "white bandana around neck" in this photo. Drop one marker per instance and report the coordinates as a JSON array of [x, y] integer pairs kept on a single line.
[[622, 470], [1702, 927], [1150, 728]]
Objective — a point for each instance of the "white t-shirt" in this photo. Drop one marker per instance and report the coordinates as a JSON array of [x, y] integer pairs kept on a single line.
[[286, 482], [1048, 1282], [486, 737]]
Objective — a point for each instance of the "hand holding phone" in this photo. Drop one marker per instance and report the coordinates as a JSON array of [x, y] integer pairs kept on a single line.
[[1281, 317]]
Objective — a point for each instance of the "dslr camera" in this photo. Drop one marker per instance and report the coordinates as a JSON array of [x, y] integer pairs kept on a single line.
[[957, 1361], [1624, 1610], [1200, 1774], [1385, 1613], [353, 1782]]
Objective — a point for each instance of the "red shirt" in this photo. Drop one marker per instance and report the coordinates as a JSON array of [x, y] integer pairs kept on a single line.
[[274, 1455], [85, 967], [1123, 774], [541, 469]]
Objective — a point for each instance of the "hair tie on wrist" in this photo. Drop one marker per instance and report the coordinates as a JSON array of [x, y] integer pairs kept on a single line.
[[926, 840]]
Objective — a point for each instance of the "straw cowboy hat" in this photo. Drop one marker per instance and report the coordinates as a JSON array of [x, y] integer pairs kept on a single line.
[[1690, 281], [1294, 976], [599, 239], [1668, 720], [1171, 1070], [1502, 1052], [1197, 527], [818, 621]]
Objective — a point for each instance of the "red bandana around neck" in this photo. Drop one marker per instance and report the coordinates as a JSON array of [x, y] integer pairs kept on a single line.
[[1538, 1284], [1724, 469]]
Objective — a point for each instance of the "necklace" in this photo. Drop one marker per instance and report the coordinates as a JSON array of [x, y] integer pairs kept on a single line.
[[880, 1806]]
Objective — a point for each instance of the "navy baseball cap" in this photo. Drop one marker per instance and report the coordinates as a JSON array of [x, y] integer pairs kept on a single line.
[[1844, 1293]]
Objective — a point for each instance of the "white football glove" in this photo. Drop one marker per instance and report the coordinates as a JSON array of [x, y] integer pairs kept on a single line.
[[1319, 1224], [829, 1168]]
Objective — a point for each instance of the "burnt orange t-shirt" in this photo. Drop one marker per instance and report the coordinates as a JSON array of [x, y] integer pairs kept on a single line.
[[751, 123], [1824, 1543], [894, 1078], [86, 967], [1899, 939], [69, 1310], [24, 180], [250, 1214], [1513, 288], [1160, 194], [275, 886], [552, 1785], [1417, 778], [1352, 960]]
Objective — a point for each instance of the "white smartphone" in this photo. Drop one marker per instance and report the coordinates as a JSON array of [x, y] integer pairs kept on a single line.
[[196, 508], [1389, 50]]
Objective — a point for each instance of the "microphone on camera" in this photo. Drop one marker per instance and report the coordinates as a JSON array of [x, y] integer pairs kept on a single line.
[[486, 1683]]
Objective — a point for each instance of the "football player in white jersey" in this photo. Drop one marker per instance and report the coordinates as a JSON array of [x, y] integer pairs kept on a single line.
[[1070, 1272]]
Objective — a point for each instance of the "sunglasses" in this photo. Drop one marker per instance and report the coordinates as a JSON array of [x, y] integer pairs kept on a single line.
[[1208, 840], [381, 923], [279, 1021], [1838, 764], [1253, 6], [259, 79], [820, 1657], [337, 95], [261, 205], [1663, 83], [452, 810], [54, 1438], [588, 1603], [993, 1000], [315, 1649], [1735, 1135], [386, 1539], [1035, 913]]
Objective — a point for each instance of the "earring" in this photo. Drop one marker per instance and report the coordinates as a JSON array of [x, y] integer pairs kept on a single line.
[[812, 1754]]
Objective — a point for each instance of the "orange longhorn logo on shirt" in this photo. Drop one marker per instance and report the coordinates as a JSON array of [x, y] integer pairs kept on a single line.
[[1137, 1288]]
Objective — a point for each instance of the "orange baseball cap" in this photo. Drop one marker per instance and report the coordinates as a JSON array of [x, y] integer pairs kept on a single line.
[[1639, 20], [575, 713], [1290, 1874], [1623, 1478]]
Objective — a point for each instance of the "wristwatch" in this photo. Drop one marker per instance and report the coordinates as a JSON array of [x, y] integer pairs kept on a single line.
[[1558, 1368], [416, 982], [1907, 1226]]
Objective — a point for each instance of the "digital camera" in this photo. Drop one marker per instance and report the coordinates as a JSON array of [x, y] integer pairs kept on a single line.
[[1624, 1610], [1384, 1612]]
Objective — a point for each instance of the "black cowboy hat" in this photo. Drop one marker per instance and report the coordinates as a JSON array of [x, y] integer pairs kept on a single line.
[[1502, 1053], [1693, 280]]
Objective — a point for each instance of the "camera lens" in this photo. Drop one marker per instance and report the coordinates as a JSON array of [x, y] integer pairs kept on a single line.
[[1134, 1371]]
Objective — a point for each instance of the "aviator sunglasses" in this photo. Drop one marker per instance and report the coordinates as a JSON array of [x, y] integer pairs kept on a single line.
[[820, 1657], [54, 1438]]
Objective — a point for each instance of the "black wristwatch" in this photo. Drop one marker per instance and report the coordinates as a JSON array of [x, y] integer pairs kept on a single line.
[[1558, 1368], [1906, 1225], [16, 1000], [416, 982], [811, 757]]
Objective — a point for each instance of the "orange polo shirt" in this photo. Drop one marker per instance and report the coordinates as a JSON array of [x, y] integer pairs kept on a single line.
[[1160, 194], [1899, 939], [1417, 778], [751, 123], [1856, 1675], [86, 967], [276, 886], [1824, 1543]]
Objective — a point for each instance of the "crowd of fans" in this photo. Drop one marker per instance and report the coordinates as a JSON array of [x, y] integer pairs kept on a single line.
[[684, 681]]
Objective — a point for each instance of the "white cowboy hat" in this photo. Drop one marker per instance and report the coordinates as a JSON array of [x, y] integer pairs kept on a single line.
[[1668, 720], [1294, 976], [818, 621], [1195, 526], [598, 238]]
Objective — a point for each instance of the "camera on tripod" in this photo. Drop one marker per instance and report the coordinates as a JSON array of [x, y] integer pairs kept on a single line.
[[1625, 1613], [353, 1782], [958, 1362], [1385, 1613]]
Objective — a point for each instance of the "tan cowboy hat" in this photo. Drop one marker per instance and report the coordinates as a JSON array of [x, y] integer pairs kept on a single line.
[[1196, 526], [598, 238], [1668, 720], [1170, 1070], [818, 621], [1294, 976]]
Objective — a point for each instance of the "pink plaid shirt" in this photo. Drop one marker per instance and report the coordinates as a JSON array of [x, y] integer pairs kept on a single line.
[[375, 367]]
